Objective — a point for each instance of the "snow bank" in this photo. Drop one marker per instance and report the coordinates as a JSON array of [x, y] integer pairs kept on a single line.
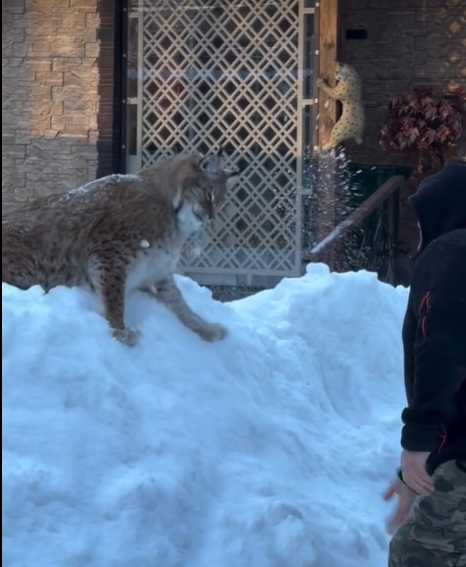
[[269, 449]]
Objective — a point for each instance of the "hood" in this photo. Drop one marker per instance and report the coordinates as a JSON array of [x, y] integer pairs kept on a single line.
[[440, 201]]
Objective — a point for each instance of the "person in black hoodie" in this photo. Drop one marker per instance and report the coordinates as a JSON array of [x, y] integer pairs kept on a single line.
[[431, 484]]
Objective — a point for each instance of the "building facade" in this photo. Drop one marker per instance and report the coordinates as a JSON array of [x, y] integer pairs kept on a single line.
[[92, 87]]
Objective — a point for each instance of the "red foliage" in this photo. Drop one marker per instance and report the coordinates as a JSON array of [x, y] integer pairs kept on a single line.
[[424, 123]]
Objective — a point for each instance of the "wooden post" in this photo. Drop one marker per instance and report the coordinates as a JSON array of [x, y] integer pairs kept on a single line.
[[327, 41]]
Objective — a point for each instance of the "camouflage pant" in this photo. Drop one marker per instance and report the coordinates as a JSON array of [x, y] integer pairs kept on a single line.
[[435, 534]]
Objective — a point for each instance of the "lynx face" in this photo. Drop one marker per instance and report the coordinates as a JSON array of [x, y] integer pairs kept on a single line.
[[343, 72], [201, 194]]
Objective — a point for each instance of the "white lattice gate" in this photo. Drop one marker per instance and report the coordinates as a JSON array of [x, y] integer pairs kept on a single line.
[[227, 73]]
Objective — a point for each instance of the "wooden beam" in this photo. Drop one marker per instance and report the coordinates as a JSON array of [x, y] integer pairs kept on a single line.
[[325, 191], [384, 192], [327, 22]]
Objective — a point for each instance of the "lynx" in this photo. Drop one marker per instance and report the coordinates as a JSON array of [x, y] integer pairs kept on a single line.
[[348, 91], [118, 234]]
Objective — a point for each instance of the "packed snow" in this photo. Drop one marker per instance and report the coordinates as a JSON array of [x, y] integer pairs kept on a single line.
[[102, 183], [271, 448]]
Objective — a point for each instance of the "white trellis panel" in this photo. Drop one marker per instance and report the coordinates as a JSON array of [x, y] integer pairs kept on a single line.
[[225, 73]]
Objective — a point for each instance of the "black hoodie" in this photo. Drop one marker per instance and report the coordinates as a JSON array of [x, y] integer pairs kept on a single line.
[[434, 330]]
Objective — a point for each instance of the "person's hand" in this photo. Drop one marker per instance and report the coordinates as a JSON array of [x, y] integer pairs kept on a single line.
[[413, 469], [406, 498]]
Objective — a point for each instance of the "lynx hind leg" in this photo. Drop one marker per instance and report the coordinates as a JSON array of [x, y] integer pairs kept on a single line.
[[337, 136], [18, 266], [327, 146], [108, 279], [16, 272], [168, 293], [332, 142]]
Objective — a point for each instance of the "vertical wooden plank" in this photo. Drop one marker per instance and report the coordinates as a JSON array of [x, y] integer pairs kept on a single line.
[[327, 57], [106, 61], [120, 10], [327, 22]]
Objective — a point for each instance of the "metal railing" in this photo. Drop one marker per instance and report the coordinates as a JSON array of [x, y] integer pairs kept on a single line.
[[386, 200]]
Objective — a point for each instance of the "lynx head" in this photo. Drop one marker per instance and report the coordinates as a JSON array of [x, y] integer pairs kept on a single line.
[[343, 72], [201, 187]]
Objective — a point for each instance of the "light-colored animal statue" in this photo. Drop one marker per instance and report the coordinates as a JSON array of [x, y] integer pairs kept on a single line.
[[350, 125], [118, 234]]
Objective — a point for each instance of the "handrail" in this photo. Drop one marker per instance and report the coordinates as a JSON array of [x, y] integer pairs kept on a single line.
[[385, 191]]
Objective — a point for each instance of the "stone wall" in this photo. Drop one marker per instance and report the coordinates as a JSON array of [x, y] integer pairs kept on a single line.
[[51, 96], [409, 43], [58, 83]]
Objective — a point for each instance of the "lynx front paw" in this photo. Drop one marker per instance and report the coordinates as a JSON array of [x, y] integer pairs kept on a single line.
[[127, 337], [213, 333]]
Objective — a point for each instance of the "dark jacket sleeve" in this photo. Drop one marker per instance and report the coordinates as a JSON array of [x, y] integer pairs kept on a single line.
[[434, 335], [409, 337]]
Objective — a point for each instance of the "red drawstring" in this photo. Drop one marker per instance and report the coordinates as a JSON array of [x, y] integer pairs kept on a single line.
[[424, 326], [424, 308], [443, 438]]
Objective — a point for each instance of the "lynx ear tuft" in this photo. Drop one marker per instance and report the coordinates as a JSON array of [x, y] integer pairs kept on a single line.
[[214, 164], [208, 164], [232, 180], [178, 200], [221, 158], [197, 158]]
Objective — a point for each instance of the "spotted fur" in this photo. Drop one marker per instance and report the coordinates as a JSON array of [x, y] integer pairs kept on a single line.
[[117, 234], [350, 125]]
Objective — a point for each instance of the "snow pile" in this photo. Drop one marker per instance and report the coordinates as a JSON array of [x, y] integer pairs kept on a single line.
[[269, 449]]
